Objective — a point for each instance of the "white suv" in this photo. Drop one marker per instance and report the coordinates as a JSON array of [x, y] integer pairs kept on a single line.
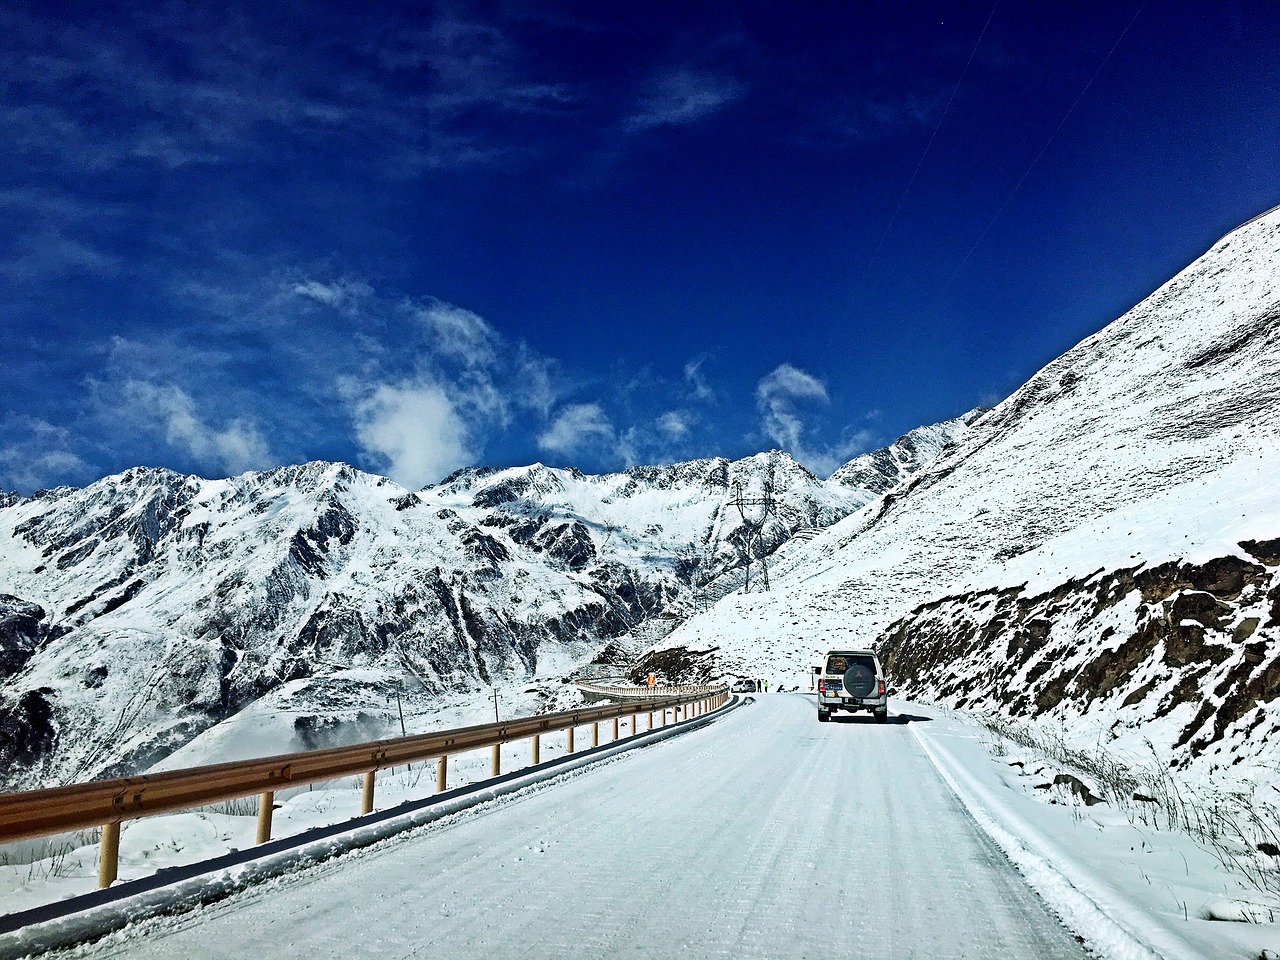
[[852, 680]]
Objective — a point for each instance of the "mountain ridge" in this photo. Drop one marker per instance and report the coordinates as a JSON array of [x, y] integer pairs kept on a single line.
[[169, 603]]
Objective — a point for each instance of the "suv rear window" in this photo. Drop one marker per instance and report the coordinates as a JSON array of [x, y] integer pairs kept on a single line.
[[841, 662]]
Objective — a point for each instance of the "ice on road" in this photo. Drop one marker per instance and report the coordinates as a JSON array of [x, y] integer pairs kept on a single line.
[[766, 834]]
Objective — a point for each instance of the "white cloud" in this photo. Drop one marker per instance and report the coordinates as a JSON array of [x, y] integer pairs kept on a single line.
[[675, 424], [780, 397], [343, 295], [579, 426], [41, 458], [413, 432], [776, 398], [237, 446], [536, 377], [697, 382], [681, 97], [460, 334]]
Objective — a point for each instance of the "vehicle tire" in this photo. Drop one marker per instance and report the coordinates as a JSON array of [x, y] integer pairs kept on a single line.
[[859, 681], [882, 716], [824, 716]]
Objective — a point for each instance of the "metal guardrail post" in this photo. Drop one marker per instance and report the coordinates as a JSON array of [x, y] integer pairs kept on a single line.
[[568, 740], [109, 854], [366, 801], [442, 772], [595, 734], [266, 804], [537, 749], [615, 728], [495, 766]]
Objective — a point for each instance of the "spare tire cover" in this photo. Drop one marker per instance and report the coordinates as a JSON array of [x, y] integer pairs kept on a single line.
[[859, 679]]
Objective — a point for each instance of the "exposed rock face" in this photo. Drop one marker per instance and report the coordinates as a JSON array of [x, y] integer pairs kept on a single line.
[[21, 633], [1202, 639], [159, 605]]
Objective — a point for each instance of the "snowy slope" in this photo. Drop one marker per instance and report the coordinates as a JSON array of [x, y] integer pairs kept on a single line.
[[1155, 441], [876, 473], [149, 608]]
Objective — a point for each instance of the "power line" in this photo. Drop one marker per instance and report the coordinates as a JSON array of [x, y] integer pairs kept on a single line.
[[1026, 173]]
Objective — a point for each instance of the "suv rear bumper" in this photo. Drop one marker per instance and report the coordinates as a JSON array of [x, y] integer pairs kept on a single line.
[[852, 704]]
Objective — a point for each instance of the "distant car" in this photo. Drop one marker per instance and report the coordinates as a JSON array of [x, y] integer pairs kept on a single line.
[[852, 680], [743, 686]]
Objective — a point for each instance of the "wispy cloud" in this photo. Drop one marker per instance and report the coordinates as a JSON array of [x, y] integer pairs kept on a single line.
[[344, 295], [235, 446], [480, 78], [680, 97], [697, 381], [38, 450], [578, 428], [51, 253], [675, 424], [476, 64], [428, 383], [460, 334], [783, 397]]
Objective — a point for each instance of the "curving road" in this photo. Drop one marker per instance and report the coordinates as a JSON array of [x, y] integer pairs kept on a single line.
[[765, 834]]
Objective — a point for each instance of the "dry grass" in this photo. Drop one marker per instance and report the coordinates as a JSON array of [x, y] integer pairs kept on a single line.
[[1242, 828]]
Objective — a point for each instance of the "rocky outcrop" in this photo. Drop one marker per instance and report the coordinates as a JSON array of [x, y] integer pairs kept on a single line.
[[1200, 640], [22, 631]]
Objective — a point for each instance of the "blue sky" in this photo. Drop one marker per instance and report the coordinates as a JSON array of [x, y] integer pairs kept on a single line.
[[419, 237]]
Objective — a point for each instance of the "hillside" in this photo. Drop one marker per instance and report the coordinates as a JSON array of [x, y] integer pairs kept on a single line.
[[1100, 546]]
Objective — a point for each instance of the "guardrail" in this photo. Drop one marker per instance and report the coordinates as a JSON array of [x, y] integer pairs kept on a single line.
[[644, 692], [107, 803]]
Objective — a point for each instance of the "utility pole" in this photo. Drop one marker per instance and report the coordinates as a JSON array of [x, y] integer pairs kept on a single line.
[[495, 705], [753, 528]]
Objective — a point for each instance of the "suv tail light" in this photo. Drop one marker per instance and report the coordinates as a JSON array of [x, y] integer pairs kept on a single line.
[[880, 690]]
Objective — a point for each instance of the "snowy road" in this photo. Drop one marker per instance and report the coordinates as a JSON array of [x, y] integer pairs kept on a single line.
[[766, 834]]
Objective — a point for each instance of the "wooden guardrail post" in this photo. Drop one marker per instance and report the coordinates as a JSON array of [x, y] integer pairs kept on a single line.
[[495, 765], [266, 804], [442, 772], [615, 728], [568, 740], [537, 748], [366, 801], [109, 854], [595, 734]]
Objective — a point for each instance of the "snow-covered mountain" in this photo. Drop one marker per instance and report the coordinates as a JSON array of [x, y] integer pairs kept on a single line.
[[142, 611], [876, 473], [1101, 545]]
